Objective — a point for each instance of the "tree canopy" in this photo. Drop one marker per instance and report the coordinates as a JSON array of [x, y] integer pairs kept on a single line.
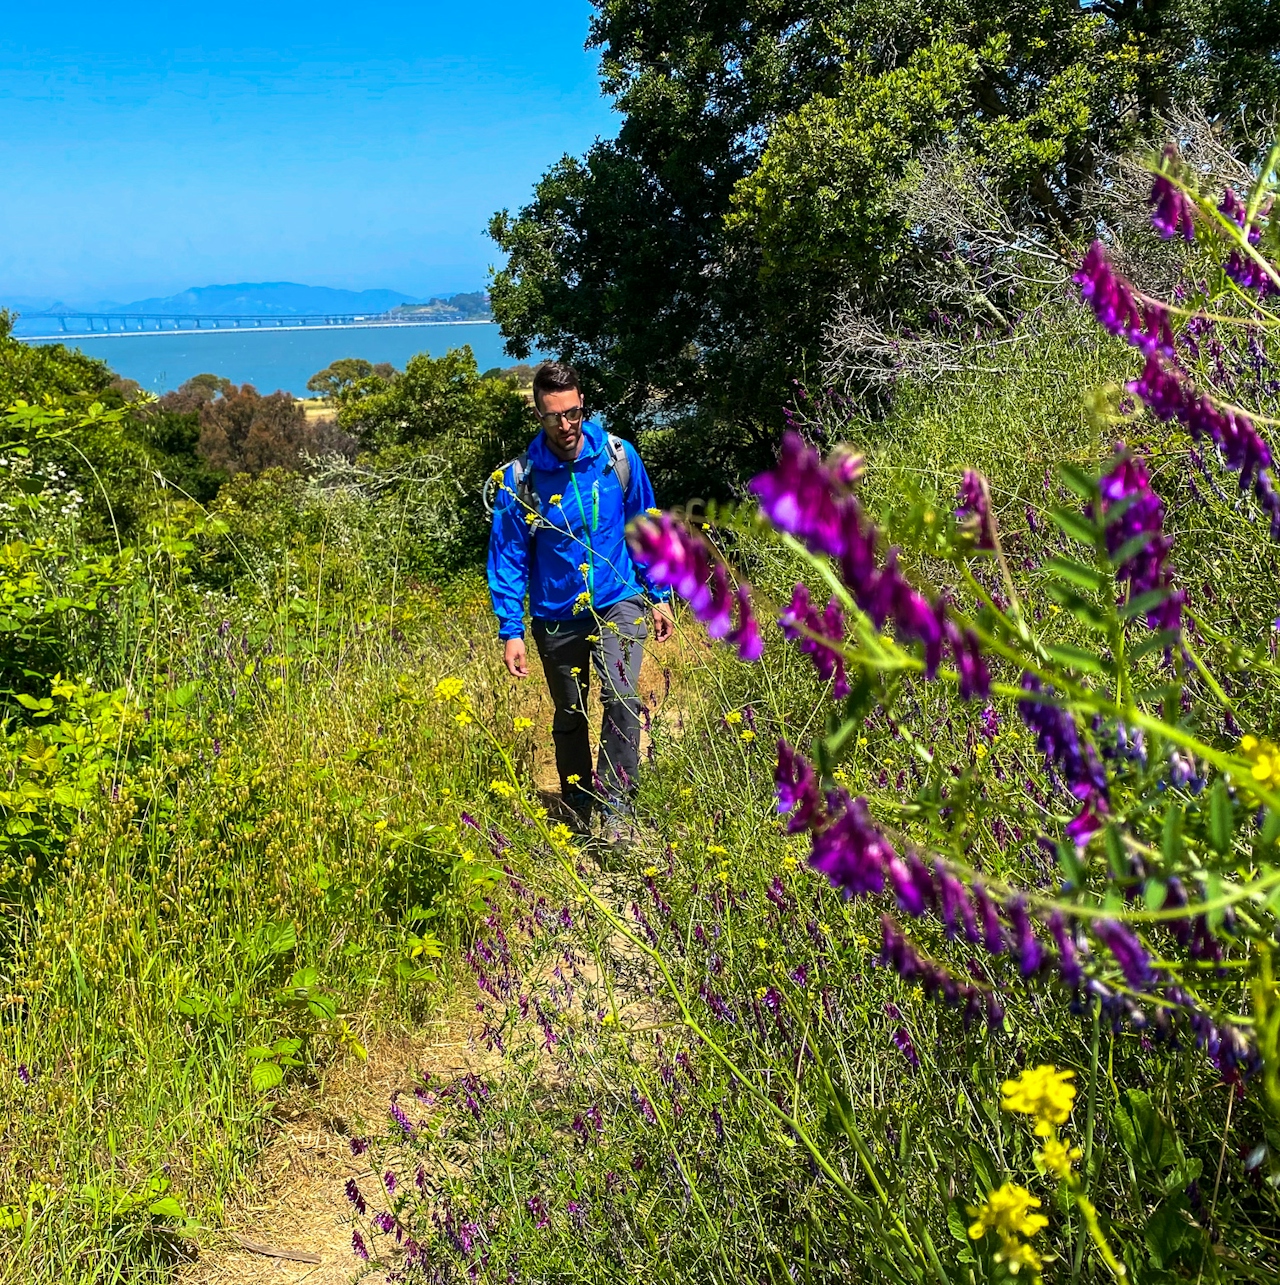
[[688, 264]]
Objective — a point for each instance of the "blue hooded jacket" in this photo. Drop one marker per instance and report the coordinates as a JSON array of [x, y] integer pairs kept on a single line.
[[582, 517]]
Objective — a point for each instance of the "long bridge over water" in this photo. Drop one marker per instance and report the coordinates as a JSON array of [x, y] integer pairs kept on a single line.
[[140, 323]]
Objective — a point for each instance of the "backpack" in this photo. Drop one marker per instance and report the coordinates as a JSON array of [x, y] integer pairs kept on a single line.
[[521, 474]]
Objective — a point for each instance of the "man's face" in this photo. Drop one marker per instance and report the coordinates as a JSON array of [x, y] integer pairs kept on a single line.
[[563, 436]]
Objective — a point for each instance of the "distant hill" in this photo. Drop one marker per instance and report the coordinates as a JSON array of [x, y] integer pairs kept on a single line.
[[269, 299]]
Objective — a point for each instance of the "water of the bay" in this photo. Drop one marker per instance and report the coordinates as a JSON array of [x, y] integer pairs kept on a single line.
[[280, 359]]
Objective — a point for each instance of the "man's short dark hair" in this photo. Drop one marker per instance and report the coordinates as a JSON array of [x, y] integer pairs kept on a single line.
[[554, 377]]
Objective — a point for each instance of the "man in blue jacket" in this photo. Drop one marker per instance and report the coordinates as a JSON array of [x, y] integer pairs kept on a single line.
[[559, 520]]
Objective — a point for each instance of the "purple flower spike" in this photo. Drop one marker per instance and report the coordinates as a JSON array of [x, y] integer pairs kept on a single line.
[[957, 910], [819, 636], [1116, 306], [803, 497], [912, 883], [1059, 741], [358, 1247], [1030, 952], [974, 509], [851, 852], [1173, 213], [674, 557], [1129, 953], [797, 788], [992, 929], [1132, 511], [1068, 958], [355, 1197]]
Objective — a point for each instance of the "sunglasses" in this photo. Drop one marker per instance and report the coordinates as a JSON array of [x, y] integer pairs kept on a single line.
[[551, 418]]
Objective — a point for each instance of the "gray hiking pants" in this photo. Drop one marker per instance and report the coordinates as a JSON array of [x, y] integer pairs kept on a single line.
[[611, 641]]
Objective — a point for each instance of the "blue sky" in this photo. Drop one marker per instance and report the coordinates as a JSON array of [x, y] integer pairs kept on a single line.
[[148, 147]]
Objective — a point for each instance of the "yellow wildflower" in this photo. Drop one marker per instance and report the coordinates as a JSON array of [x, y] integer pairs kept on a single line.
[[862, 740], [531, 517], [556, 498], [1058, 1157], [608, 1020], [496, 475], [825, 927], [581, 603], [746, 735], [706, 526], [577, 669], [1007, 1212], [561, 835], [1017, 1254], [723, 876], [761, 992], [503, 789], [789, 862], [462, 718], [653, 512], [448, 688], [733, 718], [686, 793], [584, 567], [716, 850], [761, 944], [1264, 759], [522, 724], [979, 751], [573, 778], [1043, 1092]]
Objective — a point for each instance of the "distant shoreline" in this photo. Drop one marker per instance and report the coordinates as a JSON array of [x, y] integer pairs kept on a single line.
[[247, 330]]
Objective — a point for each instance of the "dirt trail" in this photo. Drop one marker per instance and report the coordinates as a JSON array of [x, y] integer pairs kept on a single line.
[[295, 1201]]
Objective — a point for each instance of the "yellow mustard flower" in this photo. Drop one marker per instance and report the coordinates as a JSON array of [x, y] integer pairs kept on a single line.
[[1007, 1212], [789, 862], [581, 603], [733, 717], [522, 724], [496, 475], [746, 735], [1042, 1092], [462, 718], [686, 793], [573, 778], [651, 871], [980, 751], [561, 835], [503, 789], [1057, 1158], [1017, 1254], [716, 850], [556, 498], [653, 512], [448, 688], [1264, 760], [761, 944], [531, 517]]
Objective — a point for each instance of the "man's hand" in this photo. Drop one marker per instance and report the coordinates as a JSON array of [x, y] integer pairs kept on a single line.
[[513, 656], [663, 625]]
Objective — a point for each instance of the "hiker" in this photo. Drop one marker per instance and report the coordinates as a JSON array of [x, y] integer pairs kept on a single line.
[[560, 513]]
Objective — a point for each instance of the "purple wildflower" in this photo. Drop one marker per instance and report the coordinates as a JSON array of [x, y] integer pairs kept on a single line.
[[389, 1181], [354, 1196], [358, 1247], [1174, 212], [992, 929], [973, 509], [851, 852], [902, 1042], [397, 1114], [1132, 511], [1059, 741], [797, 787], [1030, 952], [912, 883], [1116, 305], [24, 1074], [1128, 951], [990, 722], [674, 557], [819, 636], [384, 1222], [811, 500], [358, 1146], [1068, 958]]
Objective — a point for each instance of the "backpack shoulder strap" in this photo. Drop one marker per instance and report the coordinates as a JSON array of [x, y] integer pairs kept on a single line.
[[521, 476], [618, 460]]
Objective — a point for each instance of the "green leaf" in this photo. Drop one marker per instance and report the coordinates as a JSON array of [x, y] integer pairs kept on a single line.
[[1171, 836], [1075, 526], [1077, 658], [1220, 818], [280, 938], [1077, 573], [957, 1222], [167, 1207], [323, 1007], [1085, 485], [265, 1076]]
